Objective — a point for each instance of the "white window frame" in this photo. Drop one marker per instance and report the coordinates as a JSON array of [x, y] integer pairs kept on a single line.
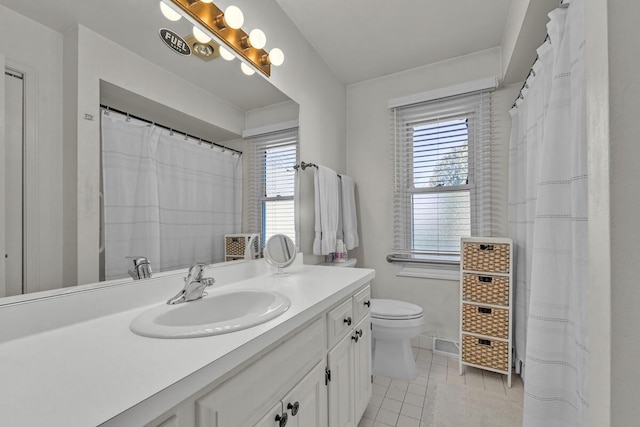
[[403, 115], [259, 143]]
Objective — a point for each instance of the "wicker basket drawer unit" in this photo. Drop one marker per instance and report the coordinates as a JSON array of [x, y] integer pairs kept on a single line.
[[486, 289], [489, 321], [489, 257], [485, 352], [486, 281]]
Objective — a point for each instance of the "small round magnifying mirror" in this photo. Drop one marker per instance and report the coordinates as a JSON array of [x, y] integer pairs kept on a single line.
[[280, 251]]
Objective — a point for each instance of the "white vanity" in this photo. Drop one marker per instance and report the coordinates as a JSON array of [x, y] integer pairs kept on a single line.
[[72, 360]]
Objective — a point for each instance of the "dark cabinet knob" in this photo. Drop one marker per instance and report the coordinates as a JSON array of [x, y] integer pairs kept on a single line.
[[293, 408], [367, 303], [348, 321], [282, 420], [359, 333], [355, 337]]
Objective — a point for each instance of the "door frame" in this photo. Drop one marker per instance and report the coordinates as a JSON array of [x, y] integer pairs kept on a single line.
[[31, 226]]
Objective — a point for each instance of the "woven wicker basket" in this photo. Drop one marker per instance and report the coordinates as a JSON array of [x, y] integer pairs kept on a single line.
[[485, 321], [485, 289], [493, 257], [235, 245], [485, 352]]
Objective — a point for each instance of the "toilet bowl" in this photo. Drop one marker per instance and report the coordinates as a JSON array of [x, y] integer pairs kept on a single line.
[[394, 324]]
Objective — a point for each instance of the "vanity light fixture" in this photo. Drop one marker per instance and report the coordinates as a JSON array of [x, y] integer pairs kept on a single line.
[[209, 22]]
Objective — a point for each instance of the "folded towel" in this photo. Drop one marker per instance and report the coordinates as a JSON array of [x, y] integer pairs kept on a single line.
[[349, 220], [326, 210]]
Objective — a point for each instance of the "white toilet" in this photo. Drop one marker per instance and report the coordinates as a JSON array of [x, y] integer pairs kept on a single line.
[[394, 324]]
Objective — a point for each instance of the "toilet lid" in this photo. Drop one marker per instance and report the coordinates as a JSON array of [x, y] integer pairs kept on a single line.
[[394, 310]]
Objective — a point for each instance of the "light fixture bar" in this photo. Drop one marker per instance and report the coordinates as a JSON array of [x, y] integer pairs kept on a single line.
[[207, 15]]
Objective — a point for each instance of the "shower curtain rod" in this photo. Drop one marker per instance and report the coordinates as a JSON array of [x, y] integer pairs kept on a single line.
[[562, 5], [213, 144]]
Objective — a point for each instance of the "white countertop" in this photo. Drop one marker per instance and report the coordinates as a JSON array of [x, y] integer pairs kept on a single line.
[[86, 373]]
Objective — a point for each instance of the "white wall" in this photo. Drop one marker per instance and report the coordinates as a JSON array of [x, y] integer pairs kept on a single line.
[[369, 163], [36, 49]]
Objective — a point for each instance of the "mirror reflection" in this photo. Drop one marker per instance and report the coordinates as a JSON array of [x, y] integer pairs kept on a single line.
[[280, 251], [67, 168]]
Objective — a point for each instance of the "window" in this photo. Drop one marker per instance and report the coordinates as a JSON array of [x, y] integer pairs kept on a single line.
[[272, 206], [442, 176]]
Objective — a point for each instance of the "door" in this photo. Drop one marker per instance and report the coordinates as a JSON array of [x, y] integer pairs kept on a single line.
[[341, 404], [362, 368], [14, 182], [306, 403]]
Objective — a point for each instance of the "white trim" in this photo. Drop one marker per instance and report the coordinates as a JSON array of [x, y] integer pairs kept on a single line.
[[3, 262], [474, 86], [31, 190], [276, 127], [429, 272]]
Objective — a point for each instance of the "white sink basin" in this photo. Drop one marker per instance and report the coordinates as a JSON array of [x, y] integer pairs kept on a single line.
[[218, 313]]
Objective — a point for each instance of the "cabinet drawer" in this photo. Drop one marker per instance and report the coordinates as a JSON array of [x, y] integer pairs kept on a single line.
[[250, 393], [485, 289], [361, 304], [339, 322], [485, 320], [492, 257], [488, 353]]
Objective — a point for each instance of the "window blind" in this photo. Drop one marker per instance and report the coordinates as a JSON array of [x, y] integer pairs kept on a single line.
[[272, 183], [442, 158]]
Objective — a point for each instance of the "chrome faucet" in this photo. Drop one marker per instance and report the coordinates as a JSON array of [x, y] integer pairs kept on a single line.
[[194, 285], [141, 268]]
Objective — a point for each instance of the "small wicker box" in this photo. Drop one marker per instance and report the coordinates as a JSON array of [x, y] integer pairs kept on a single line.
[[485, 289], [485, 320], [235, 245], [489, 353], [490, 257]]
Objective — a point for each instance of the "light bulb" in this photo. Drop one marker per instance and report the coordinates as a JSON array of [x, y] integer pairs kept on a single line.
[[246, 69], [226, 54], [200, 35], [233, 17], [257, 38], [276, 57], [206, 1], [168, 12]]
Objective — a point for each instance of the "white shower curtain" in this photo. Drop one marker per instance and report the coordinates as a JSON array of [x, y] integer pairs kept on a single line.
[[165, 198], [548, 218]]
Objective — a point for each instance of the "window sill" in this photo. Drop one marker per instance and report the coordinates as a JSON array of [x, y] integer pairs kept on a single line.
[[430, 271]]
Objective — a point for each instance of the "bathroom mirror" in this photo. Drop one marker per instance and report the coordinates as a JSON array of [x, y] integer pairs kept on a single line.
[[112, 55], [280, 251]]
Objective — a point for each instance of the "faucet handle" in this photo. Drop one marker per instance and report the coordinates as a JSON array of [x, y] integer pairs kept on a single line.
[[207, 281], [196, 271]]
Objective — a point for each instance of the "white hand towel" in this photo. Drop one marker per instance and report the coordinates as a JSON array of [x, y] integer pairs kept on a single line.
[[327, 212], [349, 220]]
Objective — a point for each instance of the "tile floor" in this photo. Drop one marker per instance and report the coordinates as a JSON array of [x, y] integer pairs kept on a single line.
[[440, 397]]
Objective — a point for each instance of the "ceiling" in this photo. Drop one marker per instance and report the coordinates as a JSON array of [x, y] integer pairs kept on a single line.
[[134, 24], [364, 39], [358, 39]]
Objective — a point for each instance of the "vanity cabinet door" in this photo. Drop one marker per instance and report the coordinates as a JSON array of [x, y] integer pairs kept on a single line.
[[362, 367], [341, 392], [306, 403]]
